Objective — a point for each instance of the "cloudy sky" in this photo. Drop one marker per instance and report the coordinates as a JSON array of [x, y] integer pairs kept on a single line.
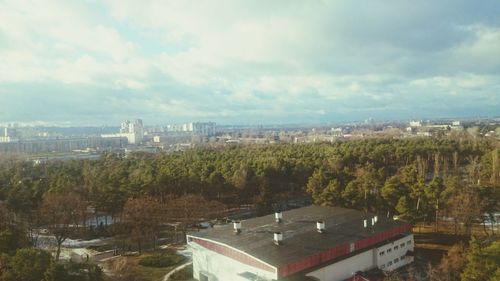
[[247, 62]]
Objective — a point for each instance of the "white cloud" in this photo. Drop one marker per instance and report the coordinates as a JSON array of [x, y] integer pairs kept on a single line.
[[131, 84], [237, 59], [481, 53], [57, 40]]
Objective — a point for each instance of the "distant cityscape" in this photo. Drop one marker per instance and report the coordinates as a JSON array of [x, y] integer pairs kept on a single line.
[[60, 143]]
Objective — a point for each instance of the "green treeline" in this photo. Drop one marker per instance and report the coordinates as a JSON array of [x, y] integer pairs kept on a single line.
[[418, 179]]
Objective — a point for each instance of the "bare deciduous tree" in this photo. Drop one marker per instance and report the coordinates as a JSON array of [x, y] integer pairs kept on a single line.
[[465, 207], [62, 214], [143, 217]]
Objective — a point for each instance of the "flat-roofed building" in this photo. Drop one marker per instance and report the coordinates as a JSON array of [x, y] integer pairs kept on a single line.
[[310, 243]]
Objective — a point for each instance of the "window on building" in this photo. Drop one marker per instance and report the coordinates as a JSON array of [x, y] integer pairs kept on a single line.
[[396, 247], [402, 245], [402, 258], [396, 260], [389, 250], [251, 276], [381, 253], [389, 263], [408, 243]]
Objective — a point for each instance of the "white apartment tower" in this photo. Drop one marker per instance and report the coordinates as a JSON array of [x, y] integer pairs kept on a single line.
[[133, 131]]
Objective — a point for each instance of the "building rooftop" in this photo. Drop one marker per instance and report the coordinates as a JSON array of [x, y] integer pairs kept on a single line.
[[344, 233]]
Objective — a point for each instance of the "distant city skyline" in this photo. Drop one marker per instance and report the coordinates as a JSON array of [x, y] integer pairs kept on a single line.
[[166, 124], [96, 63]]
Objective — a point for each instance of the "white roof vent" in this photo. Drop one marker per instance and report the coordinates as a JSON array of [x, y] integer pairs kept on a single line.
[[278, 238], [365, 223], [237, 227], [278, 216], [320, 226]]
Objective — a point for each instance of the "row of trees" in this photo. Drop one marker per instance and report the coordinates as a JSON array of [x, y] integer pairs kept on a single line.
[[144, 218], [19, 261], [141, 221], [32, 264], [416, 178], [479, 261]]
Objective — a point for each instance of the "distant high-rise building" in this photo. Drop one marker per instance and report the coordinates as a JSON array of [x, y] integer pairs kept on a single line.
[[203, 128], [370, 121], [134, 132], [124, 128], [415, 124], [9, 135]]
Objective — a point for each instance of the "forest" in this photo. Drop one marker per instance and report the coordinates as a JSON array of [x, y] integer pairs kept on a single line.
[[419, 180]]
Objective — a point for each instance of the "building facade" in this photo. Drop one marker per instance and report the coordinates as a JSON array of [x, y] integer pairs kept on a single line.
[[310, 243], [133, 131], [196, 128], [62, 145]]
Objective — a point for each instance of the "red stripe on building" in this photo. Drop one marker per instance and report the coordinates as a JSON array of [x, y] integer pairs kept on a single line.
[[339, 251], [233, 254]]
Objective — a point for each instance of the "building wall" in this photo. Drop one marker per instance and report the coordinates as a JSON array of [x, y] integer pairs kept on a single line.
[[8, 139], [61, 145], [345, 268], [369, 259], [133, 138], [218, 267], [392, 256], [198, 128]]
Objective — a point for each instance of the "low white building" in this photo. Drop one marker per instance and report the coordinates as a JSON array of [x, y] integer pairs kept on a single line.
[[197, 128], [310, 243]]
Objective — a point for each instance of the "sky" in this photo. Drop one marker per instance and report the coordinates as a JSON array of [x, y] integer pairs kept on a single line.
[[247, 62]]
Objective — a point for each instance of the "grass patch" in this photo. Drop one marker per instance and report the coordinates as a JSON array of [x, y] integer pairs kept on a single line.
[[184, 274], [128, 268], [161, 260]]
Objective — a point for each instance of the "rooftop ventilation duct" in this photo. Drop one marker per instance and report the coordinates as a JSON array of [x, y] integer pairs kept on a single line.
[[237, 227], [278, 238], [278, 216], [320, 226]]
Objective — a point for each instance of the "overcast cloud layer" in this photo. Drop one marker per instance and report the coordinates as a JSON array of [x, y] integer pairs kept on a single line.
[[100, 62]]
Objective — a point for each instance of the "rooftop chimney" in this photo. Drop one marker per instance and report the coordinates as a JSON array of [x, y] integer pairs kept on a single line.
[[278, 216], [365, 223], [375, 218], [237, 227], [320, 226], [278, 238]]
